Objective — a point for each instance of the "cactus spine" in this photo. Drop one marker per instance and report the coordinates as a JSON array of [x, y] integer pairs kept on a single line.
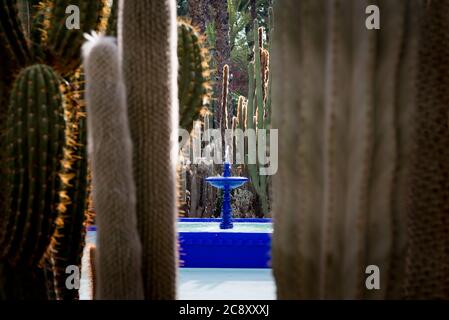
[[344, 149], [119, 255], [150, 73]]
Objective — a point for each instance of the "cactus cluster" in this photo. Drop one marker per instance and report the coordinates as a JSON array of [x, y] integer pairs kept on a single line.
[[43, 143], [136, 253], [254, 112]]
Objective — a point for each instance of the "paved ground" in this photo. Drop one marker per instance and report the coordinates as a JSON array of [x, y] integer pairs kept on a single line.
[[206, 284], [212, 284], [226, 284]]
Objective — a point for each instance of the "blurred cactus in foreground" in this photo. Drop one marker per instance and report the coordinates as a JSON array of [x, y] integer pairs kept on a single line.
[[119, 254], [363, 160], [150, 68]]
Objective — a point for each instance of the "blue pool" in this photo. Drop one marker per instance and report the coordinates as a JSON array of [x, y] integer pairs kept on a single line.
[[204, 245]]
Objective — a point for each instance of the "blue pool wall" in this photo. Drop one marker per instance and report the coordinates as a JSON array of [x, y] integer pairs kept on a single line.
[[223, 249]]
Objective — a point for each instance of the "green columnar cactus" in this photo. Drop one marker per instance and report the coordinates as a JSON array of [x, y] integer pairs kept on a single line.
[[64, 45], [193, 75], [194, 92], [34, 140], [258, 111], [48, 42], [35, 136], [68, 240], [150, 73], [12, 38], [112, 21], [345, 109], [119, 256], [224, 97]]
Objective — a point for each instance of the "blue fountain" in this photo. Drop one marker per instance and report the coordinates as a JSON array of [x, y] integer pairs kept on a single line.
[[226, 183], [226, 242]]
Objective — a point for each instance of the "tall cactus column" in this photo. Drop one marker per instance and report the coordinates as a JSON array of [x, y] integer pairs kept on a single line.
[[118, 245], [148, 42], [345, 112], [34, 140]]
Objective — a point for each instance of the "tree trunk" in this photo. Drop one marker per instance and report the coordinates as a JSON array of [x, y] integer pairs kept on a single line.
[[199, 13]]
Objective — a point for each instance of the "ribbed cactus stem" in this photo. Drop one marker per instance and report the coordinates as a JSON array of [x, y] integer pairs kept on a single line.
[[64, 45], [241, 113], [35, 136], [256, 114], [119, 249], [251, 95], [34, 140], [224, 96], [112, 21], [68, 239], [193, 75], [12, 38], [150, 73], [340, 194]]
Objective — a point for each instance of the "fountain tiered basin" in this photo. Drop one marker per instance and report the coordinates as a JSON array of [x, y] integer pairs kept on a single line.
[[232, 182]]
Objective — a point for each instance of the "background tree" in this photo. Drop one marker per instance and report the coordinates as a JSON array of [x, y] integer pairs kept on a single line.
[[198, 11], [182, 8]]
